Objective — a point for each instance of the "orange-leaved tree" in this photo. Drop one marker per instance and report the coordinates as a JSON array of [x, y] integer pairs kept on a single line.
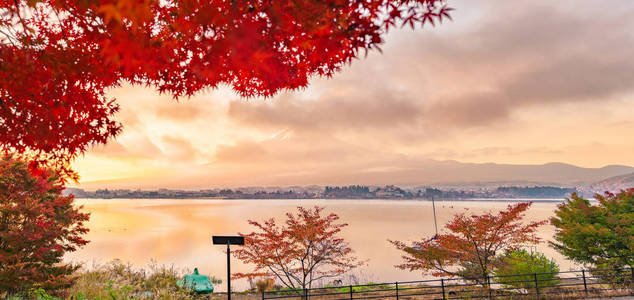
[[470, 244], [37, 226], [58, 57], [307, 248]]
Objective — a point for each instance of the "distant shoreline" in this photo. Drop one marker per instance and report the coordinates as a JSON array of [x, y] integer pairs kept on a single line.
[[544, 200], [516, 193]]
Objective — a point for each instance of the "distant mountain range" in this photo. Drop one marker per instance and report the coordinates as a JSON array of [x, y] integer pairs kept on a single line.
[[408, 173], [552, 173]]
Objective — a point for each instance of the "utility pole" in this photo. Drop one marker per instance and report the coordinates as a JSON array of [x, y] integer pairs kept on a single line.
[[433, 203]]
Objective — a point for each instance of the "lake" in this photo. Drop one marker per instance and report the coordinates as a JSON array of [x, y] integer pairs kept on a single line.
[[178, 232]]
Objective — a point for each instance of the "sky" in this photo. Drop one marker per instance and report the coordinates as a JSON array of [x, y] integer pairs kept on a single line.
[[507, 82]]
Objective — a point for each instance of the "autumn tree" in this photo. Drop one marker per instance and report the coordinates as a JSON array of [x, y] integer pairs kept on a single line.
[[37, 226], [599, 235], [58, 57], [305, 249], [470, 245]]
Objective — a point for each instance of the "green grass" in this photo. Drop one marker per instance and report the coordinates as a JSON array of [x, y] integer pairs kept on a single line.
[[363, 288]]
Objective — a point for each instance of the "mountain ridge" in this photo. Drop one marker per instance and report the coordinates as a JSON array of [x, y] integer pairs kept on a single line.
[[614, 183], [405, 173]]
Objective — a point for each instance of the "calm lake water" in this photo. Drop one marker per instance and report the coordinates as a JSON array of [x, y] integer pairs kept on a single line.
[[178, 232]]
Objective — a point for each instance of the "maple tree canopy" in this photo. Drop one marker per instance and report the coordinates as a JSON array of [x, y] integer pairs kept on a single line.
[[58, 57], [470, 245], [305, 249], [38, 226]]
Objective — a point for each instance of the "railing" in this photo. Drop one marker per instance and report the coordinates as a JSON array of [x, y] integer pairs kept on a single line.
[[525, 286]]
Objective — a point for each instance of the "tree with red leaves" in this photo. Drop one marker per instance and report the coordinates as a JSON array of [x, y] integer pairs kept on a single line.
[[471, 246], [37, 226], [58, 57], [304, 250]]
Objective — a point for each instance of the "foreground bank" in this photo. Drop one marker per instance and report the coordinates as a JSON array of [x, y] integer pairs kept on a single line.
[[117, 280]]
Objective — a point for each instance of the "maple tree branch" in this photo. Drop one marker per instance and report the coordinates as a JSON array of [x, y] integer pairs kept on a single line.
[[495, 232], [17, 11], [303, 259], [477, 250], [312, 268], [9, 38], [290, 284], [287, 272], [439, 266]]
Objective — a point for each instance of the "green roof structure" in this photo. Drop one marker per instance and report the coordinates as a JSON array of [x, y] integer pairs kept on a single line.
[[196, 282]]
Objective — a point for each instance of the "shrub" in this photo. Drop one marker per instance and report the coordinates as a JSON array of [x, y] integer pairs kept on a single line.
[[520, 262], [264, 284]]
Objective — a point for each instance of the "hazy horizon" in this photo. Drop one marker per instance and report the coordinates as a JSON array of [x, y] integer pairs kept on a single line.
[[451, 174]]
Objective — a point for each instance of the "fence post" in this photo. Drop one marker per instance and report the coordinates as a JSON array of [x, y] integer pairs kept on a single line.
[[632, 271], [536, 285], [306, 294], [262, 294], [351, 292], [585, 285], [442, 284], [489, 287], [396, 283]]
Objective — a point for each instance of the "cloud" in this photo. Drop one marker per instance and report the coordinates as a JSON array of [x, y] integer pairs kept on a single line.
[[431, 87], [179, 112], [377, 111], [517, 59], [292, 150], [179, 148], [142, 148], [534, 54]]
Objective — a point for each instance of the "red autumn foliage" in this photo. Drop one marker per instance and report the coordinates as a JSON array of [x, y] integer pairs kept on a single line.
[[58, 57], [471, 245], [37, 226], [305, 249]]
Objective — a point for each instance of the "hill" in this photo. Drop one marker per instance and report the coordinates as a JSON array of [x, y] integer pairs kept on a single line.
[[405, 173], [614, 183]]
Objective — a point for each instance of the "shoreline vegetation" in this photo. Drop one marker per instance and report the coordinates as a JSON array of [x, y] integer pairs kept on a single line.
[[345, 192], [118, 280]]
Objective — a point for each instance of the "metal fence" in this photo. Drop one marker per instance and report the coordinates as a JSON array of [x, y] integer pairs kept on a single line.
[[570, 284]]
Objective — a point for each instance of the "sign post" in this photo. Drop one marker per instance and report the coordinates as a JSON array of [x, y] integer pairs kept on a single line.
[[228, 240]]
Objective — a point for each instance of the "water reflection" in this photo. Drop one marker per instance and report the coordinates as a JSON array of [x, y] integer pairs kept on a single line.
[[178, 232]]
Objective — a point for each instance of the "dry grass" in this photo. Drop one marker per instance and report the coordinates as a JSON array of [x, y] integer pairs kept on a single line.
[[117, 280]]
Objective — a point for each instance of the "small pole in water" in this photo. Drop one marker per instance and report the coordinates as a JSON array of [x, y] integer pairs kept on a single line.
[[434, 207]]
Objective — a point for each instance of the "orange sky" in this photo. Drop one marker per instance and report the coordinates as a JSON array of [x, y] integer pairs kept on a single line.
[[523, 82]]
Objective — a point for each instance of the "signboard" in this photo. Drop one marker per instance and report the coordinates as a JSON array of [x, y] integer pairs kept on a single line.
[[227, 239]]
